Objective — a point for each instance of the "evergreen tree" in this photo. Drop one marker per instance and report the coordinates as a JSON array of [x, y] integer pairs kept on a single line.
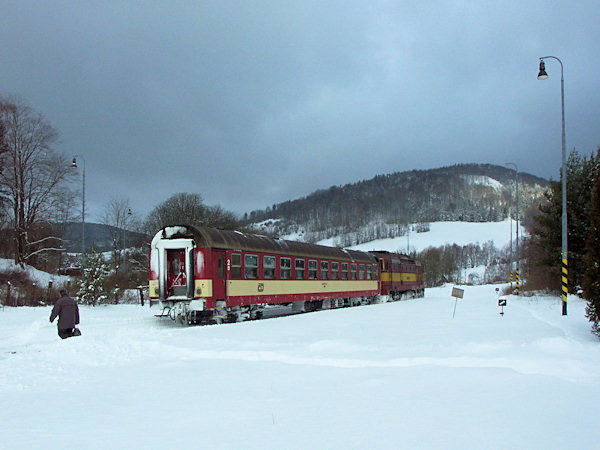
[[91, 288], [591, 280], [547, 231]]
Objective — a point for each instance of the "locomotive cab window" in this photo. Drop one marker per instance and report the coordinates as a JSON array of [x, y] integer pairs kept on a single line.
[[335, 270], [285, 266], [312, 269], [251, 266], [269, 264], [299, 265], [236, 265], [324, 270]]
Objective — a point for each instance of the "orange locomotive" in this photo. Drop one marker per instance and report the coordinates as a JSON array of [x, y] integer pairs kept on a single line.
[[206, 275]]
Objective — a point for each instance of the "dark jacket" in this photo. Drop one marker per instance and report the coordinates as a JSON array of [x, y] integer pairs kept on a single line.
[[67, 311]]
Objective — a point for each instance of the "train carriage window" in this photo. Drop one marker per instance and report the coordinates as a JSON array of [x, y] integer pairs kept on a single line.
[[299, 265], [312, 269], [285, 266], [324, 270], [344, 271], [236, 265], [353, 274], [251, 266], [221, 266], [361, 272], [369, 272], [175, 266], [269, 263], [335, 270]]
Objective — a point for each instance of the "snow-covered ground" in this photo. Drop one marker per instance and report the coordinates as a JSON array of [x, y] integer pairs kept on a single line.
[[393, 375], [442, 233]]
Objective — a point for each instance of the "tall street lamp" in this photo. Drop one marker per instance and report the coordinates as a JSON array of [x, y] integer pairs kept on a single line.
[[542, 75], [518, 260], [127, 218], [74, 166]]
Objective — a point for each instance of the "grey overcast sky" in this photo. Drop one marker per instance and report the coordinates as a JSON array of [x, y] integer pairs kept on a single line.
[[251, 103]]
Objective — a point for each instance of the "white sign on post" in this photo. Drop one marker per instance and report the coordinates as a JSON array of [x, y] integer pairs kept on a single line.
[[456, 293]]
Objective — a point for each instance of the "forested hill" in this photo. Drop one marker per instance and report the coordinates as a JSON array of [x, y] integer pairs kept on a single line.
[[467, 192]]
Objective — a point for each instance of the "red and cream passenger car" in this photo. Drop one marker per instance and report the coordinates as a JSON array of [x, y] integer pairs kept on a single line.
[[211, 275]]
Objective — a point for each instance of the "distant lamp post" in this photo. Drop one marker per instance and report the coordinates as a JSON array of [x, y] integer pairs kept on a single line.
[[518, 260], [511, 253], [74, 166], [542, 75], [125, 238]]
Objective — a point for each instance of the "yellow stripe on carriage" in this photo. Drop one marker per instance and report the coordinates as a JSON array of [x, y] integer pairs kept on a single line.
[[283, 287]]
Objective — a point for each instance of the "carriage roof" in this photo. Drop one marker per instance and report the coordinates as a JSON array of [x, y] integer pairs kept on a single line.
[[236, 240]]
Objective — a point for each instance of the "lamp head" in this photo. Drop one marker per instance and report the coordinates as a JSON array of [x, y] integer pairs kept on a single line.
[[542, 75], [74, 163]]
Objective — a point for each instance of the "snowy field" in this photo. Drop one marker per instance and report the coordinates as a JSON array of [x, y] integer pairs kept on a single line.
[[387, 376], [442, 233]]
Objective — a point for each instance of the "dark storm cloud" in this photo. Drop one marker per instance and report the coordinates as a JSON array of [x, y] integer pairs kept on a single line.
[[254, 103]]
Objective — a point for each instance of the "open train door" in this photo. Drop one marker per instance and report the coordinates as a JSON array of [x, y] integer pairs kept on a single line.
[[176, 272], [175, 267], [219, 275]]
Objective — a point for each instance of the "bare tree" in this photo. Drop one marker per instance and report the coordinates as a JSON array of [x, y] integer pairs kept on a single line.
[[179, 209], [118, 215], [33, 176], [4, 237], [188, 209]]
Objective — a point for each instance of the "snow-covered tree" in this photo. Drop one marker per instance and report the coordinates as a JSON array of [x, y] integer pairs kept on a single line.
[[91, 289]]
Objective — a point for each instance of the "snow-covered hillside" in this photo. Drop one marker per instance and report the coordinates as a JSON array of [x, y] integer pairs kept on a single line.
[[387, 376], [442, 233], [38, 276]]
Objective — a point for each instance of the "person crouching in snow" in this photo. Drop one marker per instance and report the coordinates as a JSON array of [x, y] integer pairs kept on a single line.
[[68, 315]]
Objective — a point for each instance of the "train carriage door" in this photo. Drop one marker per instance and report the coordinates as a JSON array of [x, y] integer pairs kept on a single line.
[[176, 273], [218, 275]]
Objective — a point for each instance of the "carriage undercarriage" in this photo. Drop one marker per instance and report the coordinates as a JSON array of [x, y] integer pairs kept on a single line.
[[193, 312]]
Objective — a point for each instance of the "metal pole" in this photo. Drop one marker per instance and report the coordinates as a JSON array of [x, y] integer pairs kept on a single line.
[[83, 213], [517, 243], [511, 255], [74, 165], [564, 251], [127, 217], [517, 273]]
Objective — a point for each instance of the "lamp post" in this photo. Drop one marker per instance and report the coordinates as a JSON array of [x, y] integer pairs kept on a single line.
[[74, 166], [511, 255], [127, 218], [542, 75], [518, 260]]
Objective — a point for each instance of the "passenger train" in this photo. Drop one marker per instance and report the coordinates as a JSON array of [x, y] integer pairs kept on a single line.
[[208, 275]]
